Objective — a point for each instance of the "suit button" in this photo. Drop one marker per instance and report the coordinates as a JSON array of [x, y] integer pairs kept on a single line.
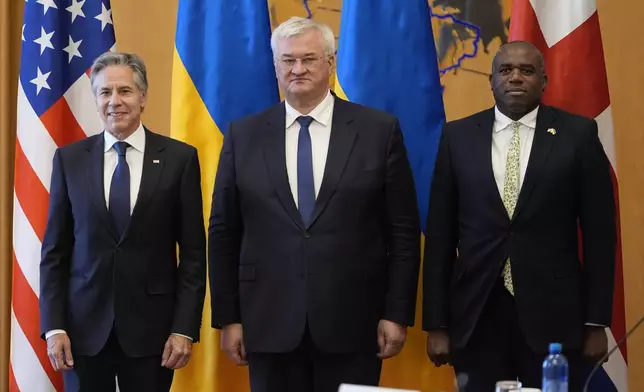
[[118, 249], [307, 235]]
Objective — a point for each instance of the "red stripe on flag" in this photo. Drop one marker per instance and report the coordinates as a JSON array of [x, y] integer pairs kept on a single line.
[[32, 194], [61, 124], [575, 65], [13, 385], [25, 307], [577, 72], [528, 29]]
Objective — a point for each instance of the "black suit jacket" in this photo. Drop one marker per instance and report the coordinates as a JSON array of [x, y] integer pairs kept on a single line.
[[567, 182], [357, 261], [91, 280]]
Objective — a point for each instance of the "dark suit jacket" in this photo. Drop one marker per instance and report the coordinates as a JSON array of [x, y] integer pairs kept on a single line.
[[357, 261], [568, 181], [91, 280]]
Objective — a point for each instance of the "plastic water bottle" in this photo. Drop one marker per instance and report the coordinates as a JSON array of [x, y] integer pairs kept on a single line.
[[555, 370]]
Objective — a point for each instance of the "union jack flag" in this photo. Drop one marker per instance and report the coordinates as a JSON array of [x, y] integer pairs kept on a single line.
[[60, 40]]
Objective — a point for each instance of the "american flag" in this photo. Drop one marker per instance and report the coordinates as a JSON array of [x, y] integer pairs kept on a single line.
[[60, 40]]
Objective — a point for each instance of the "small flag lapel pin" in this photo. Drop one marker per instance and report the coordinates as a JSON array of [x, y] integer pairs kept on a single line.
[[155, 161], [552, 131]]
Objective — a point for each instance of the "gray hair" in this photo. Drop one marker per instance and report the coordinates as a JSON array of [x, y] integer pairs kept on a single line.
[[296, 26], [131, 60]]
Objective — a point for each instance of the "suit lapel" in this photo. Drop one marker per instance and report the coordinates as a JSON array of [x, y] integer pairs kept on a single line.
[[95, 175], [275, 155], [541, 146], [340, 146], [483, 151], [153, 163]]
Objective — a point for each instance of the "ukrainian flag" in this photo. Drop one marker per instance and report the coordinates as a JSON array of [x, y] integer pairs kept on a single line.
[[222, 70], [387, 60]]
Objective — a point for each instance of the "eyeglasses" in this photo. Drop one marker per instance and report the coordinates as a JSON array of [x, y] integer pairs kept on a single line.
[[307, 62]]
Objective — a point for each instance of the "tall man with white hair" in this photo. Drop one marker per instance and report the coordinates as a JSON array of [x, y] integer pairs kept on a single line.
[[113, 301], [314, 230]]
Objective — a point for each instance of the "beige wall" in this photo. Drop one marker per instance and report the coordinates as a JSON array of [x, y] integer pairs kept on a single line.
[[147, 28], [620, 22]]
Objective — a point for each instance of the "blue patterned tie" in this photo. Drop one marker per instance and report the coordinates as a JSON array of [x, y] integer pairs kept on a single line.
[[120, 189], [305, 185]]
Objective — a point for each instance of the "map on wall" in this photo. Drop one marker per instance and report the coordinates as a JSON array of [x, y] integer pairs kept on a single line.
[[467, 32]]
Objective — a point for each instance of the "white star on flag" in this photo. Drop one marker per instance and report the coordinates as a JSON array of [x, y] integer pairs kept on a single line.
[[105, 17], [47, 4], [76, 9], [44, 40], [72, 48], [41, 81]]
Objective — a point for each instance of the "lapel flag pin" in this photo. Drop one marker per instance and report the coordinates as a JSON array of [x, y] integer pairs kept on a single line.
[[552, 131], [155, 161]]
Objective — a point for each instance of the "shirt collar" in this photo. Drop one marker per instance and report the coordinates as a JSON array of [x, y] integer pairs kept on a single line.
[[135, 140], [321, 113], [502, 121]]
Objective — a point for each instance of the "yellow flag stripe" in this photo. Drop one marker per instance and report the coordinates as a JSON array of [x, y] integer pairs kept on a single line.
[[209, 370]]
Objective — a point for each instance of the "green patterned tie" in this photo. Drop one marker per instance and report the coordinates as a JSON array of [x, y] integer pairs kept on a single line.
[[511, 190]]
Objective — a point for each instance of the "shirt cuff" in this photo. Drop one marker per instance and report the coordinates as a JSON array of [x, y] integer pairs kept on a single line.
[[595, 325], [183, 336], [54, 332]]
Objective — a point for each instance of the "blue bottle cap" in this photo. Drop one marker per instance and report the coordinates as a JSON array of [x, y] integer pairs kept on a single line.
[[555, 348]]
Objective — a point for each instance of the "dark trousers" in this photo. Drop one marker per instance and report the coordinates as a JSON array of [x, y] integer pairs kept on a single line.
[[497, 350], [308, 369], [98, 373]]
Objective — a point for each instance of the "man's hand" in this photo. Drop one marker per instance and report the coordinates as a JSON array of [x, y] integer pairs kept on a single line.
[[176, 352], [595, 343], [438, 347], [391, 338], [232, 342], [59, 350]]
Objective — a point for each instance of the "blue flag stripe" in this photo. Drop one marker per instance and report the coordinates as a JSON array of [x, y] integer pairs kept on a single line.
[[387, 60], [225, 47]]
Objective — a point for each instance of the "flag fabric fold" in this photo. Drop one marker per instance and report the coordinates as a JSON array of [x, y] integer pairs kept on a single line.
[[568, 34], [387, 60], [222, 71]]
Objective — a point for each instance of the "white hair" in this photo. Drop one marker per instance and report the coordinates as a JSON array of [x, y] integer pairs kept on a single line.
[[296, 26]]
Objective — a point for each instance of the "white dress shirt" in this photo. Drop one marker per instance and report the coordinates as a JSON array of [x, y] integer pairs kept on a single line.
[[134, 157], [501, 137], [320, 130]]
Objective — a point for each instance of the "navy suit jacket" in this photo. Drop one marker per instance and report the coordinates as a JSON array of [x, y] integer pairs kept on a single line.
[[355, 263], [567, 186], [92, 281]]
